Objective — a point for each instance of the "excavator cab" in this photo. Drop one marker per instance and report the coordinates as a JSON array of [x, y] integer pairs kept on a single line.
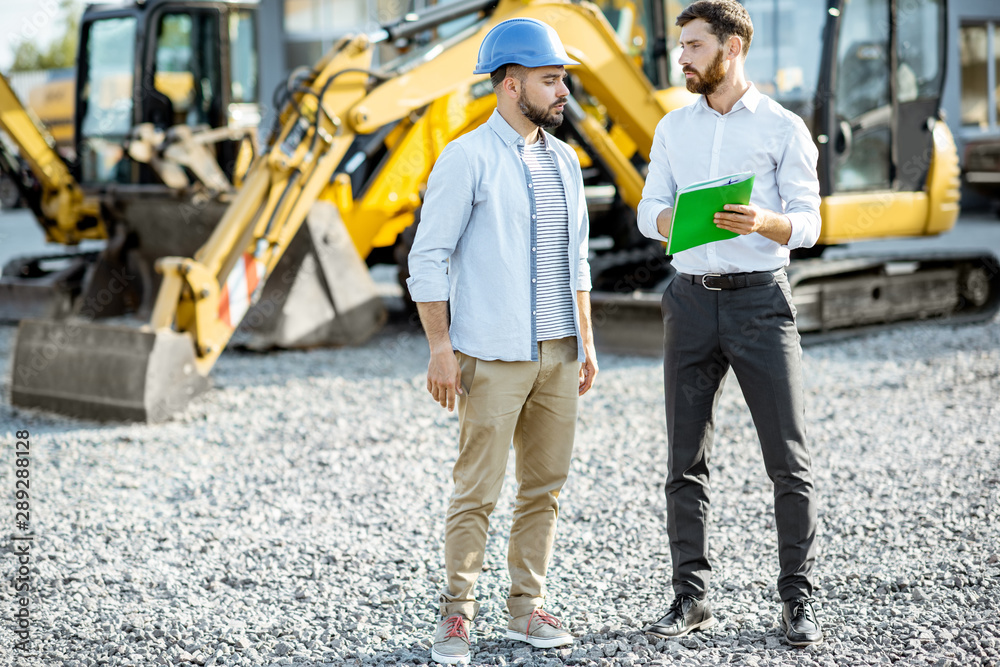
[[867, 77], [176, 70], [166, 63], [884, 76]]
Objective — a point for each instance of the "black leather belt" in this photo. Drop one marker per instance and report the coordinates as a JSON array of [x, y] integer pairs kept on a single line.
[[721, 281]]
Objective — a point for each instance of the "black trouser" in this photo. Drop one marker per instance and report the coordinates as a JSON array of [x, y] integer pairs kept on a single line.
[[753, 330]]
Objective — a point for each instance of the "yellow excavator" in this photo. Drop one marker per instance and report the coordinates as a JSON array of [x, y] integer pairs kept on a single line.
[[163, 109], [344, 125], [354, 144]]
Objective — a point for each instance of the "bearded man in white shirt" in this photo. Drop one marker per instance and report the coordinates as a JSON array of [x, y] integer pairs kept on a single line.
[[730, 305]]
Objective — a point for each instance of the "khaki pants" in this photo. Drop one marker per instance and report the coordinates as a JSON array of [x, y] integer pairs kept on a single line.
[[532, 404]]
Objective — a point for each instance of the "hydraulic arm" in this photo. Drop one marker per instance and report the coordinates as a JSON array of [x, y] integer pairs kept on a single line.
[[65, 213]]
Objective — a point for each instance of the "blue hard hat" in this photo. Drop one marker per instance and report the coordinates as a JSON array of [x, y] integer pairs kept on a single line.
[[522, 41]]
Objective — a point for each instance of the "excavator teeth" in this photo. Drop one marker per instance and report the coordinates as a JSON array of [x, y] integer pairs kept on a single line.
[[103, 372]]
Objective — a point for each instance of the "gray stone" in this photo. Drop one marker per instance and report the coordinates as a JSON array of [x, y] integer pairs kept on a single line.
[[269, 521]]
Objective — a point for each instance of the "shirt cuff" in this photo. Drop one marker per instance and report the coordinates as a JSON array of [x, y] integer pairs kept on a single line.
[[423, 290], [647, 221], [799, 236], [583, 282]]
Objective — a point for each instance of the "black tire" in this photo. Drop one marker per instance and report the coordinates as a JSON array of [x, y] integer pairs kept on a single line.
[[10, 196], [808, 253]]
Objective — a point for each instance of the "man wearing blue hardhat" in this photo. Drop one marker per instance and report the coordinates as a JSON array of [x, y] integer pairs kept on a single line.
[[503, 242]]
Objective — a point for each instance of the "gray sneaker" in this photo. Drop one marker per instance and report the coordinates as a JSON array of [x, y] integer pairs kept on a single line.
[[451, 641], [540, 629]]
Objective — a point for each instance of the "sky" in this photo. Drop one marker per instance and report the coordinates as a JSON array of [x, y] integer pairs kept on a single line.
[[37, 20]]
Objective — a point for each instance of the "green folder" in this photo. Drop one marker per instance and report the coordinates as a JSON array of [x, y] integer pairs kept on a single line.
[[695, 207]]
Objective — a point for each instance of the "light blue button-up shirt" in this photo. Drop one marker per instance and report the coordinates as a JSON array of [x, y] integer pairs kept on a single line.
[[697, 143], [476, 242]]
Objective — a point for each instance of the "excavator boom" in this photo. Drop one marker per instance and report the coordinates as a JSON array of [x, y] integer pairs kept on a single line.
[[67, 216]]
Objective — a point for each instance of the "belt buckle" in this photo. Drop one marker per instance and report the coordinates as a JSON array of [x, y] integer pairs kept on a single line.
[[711, 275]]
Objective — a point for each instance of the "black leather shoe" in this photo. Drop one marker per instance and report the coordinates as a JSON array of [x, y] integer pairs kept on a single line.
[[687, 614], [798, 620]]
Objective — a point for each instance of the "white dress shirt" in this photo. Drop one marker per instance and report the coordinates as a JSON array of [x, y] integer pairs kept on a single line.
[[696, 143]]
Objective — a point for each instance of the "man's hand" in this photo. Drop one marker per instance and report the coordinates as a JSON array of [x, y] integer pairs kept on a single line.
[[588, 369], [749, 218], [663, 220], [444, 377]]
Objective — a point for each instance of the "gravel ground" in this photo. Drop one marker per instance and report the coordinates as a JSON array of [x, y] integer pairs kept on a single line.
[[294, 515]]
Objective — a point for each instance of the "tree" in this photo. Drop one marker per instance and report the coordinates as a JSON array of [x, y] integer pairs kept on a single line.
[[57, 54]]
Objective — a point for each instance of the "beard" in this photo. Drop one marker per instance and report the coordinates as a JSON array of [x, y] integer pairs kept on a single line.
[[540, 116], [707, 83]]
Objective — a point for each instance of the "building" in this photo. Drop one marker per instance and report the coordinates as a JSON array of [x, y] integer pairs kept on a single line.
[[972, 85]]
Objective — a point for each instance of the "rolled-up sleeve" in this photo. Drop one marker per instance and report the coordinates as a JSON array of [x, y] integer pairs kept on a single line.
[[658, 192], [445, 213], [798, 187]]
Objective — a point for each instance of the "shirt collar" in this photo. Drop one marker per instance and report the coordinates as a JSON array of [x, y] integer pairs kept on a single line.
[[508, 134], [750, 100]]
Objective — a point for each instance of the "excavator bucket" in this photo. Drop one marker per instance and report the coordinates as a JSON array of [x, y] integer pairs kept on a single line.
[[320, 293], [31, 287], [103, 372]]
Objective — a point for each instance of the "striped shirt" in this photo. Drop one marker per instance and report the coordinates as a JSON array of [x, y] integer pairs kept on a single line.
[[553, 291], [478, 213]]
